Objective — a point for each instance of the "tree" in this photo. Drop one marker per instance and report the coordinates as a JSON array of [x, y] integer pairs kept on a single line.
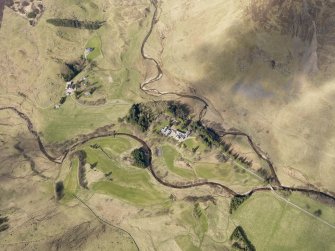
[[140, 115], [141, 157], [59, 190], [178, 109]]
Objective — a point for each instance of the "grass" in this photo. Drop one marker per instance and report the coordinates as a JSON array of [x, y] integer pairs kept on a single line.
[[196, 218], [170, 155], [71, 181], [73, 119], [128, 183], [128, 77], [192, 143], [117, 145], [312, 205], [227, 173], [94, 42], [185, 243], [272, 224], [160, 125], [130, 194]]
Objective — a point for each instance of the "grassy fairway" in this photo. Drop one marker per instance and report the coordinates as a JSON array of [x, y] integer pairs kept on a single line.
[[116, 145], [71, 183], [272, 224], [71, 180], [170, 155], [129, 183], [132, 194]]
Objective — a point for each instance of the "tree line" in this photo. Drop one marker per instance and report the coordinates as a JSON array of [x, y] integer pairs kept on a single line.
[[241, 241], [74, 23]]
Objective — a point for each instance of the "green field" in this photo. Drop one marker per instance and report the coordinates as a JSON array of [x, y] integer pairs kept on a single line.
[[273, 224], [126, 77], [312, 205], [227, 173], [71, 184], [116, 145], [170, 155], [73, 119], [94, 42], [128, 183], [191, 143]]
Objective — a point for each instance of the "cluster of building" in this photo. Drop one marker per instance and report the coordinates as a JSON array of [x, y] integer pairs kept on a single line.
[[71, 86], [176, 134]]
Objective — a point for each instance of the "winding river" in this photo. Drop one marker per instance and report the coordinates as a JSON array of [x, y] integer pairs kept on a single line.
[[154, 92]]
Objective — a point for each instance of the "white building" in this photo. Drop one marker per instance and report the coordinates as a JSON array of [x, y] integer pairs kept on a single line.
[[166, 131], [70, 88], [176, 134]]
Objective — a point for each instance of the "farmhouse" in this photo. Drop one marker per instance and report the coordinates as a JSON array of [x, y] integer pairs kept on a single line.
[[70, 88], [176, 134], [88, 51]]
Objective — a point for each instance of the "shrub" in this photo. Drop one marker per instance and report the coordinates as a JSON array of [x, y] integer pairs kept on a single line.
[[31, 15], [318, 213], [62, 100]]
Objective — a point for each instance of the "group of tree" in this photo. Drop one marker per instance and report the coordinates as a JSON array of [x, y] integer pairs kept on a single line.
[[264, 173], [241, 241], [141, 157], [178, 109], [74, 23], [207, 134], [72, 69], [236, 201], [141, 115], [81, 169], [3, 223], [212, 139], [227, 147]]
